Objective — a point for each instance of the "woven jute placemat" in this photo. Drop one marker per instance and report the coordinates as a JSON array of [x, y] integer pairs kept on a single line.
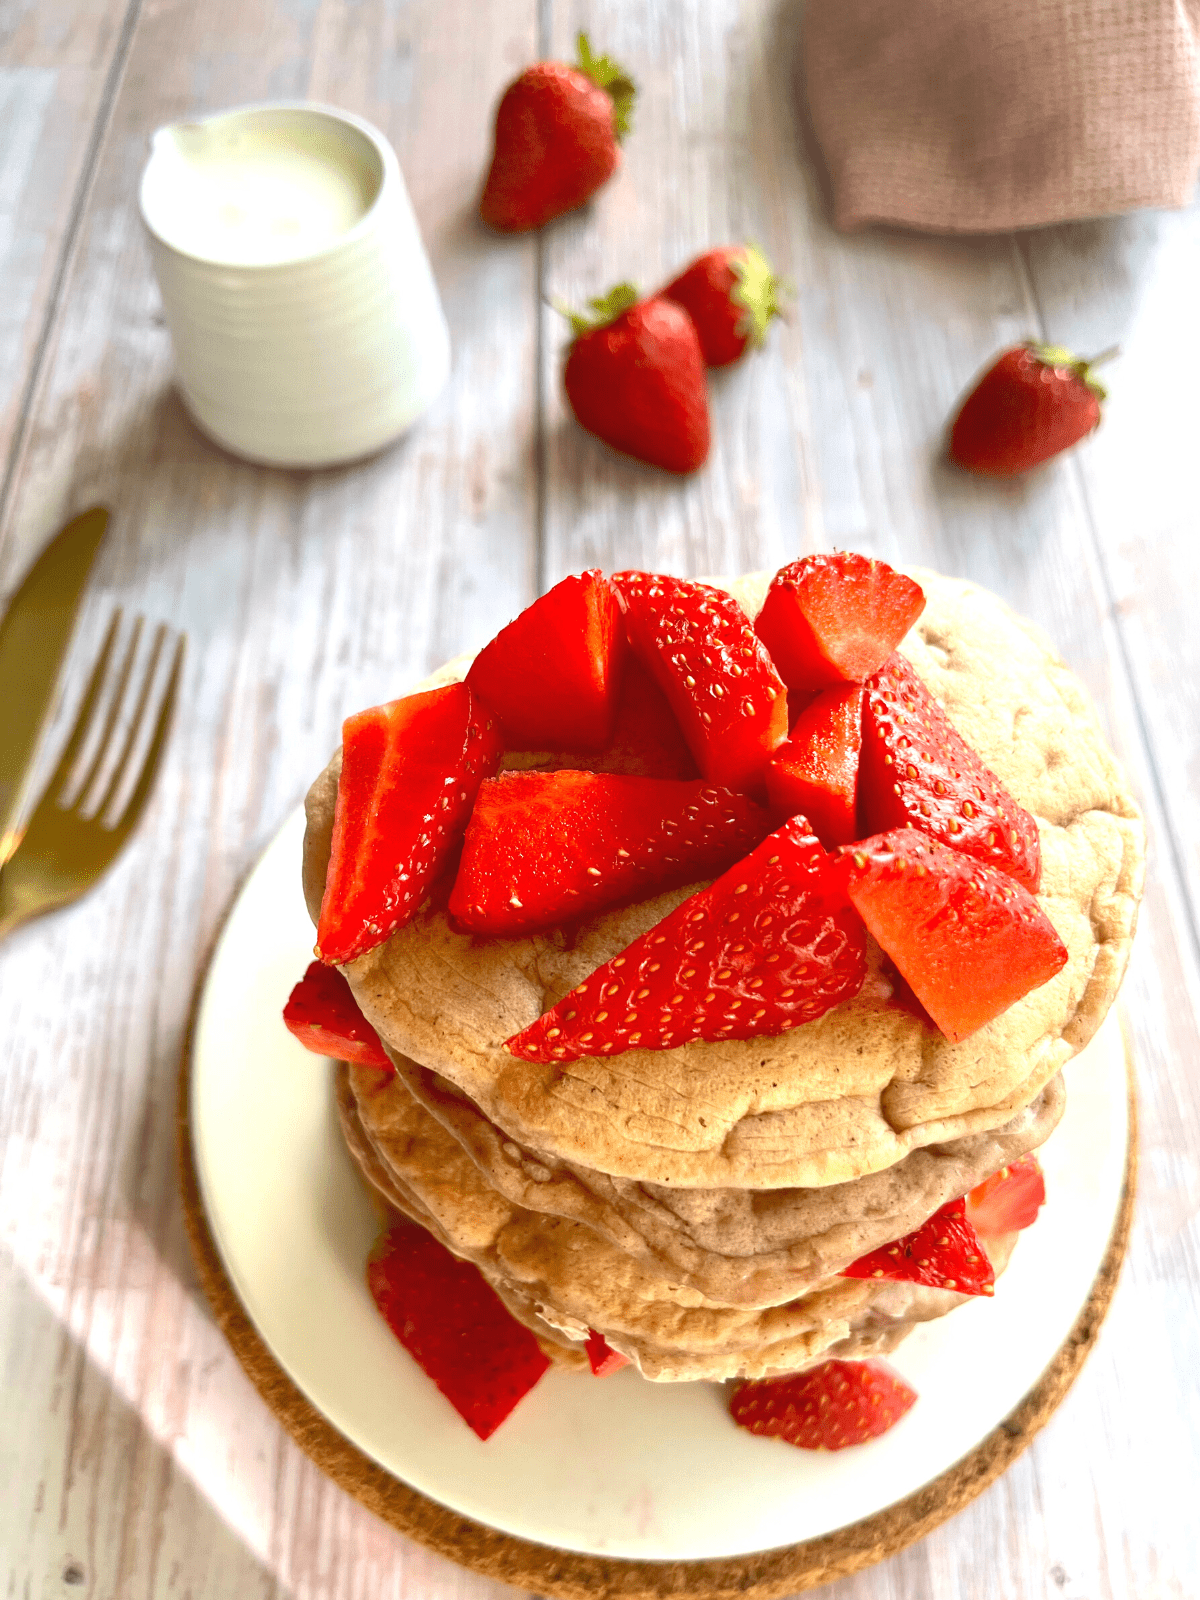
[[553, 1572]]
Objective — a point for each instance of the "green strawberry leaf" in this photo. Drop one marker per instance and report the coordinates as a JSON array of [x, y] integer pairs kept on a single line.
[[614, 80], [758, 291], [604, 310]]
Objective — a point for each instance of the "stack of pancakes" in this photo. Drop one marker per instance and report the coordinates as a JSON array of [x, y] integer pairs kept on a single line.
[[695, 1206]]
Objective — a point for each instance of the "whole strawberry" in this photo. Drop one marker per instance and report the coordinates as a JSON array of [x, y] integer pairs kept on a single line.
[[558, 132], [635, 378], [1033, 401], [731, 294]]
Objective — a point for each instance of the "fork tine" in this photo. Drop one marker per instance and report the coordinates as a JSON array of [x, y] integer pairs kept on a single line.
[[114, 711], [135, 724], [79, 731], [145, 783]]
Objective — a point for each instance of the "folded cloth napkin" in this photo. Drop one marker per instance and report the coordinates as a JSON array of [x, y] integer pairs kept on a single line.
[[976, 116]]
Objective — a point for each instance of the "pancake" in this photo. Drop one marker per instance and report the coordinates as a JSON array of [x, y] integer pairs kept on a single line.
[[866, 1085], [557, 1274]]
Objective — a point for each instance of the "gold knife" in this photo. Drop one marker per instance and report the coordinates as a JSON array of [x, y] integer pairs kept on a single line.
[[34, 636]]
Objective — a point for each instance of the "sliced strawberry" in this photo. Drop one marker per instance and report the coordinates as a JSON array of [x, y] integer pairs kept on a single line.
[[943, 1253], [970, 940], [552, 678], [1010, 1199], [454, 1325], [546, 847], [410, 770], [835, 618], [828, 1407], [602, 1358], [323, 1014], [917, 771], [698, 643], [768, 946], [816, 770], [647, 740]]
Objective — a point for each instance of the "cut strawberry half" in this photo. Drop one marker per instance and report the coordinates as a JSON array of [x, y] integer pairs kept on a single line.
[[943, 1253], [698, 643], [324, 1015], [542, 848], [410, 771], [970, 940], [828, 1407], [553, 677], [816, 770], [602, 1358], [455, 1326], [770, 945], [835, 618], [917, 771], [647, 740], [1010, 1199]]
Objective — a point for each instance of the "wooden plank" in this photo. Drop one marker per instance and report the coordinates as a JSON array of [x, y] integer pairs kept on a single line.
[[305, 596]]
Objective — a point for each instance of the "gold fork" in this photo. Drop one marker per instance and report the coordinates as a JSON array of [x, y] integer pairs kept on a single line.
[[64, 850]]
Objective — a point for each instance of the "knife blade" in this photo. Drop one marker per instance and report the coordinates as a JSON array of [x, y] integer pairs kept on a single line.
[[34, 636]]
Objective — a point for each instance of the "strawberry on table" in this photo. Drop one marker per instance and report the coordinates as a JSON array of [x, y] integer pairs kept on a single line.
[[1034, 401], [943, 1253], [918, 771], [827, 1407], [731, 294], [635, 378], [410, 772], [553, 677], [970, 940], [558, 133], [323, 1014], [701, 648], [816, 770], [602, 1358], [542, 848], [770, 945], [455, 1326], [831, 619], [1010, 1199]]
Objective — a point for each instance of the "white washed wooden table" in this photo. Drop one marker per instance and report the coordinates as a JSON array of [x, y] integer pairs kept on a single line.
[[135, 1458]]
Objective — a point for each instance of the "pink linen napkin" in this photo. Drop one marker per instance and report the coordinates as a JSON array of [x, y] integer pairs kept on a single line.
[[977, 116]]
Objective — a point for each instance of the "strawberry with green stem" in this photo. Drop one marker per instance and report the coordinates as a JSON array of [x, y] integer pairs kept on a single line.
[[1033, 402], [731, 294]]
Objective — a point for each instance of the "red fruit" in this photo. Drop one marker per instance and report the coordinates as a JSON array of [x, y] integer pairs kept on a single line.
[[731, 294], [768, 946], [970, 940], [835, 618], [1032, 402], [603, 1359], [726, 695], [917, 771], [558, 132], [454, 1325], [635, 378], [552, 677], [647, 740], [546, 847], [410, 770], [323, 1014], [816, 770], [828, 1407], [1010, 1199], [943, 1253]]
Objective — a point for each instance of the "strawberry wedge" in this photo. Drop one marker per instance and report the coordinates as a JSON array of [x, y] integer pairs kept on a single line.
[[770, 945], [699, 644], [816, 771], [835, 619], [1010, 1199], [917, 771], [647, 740], [968, 939], [826, 1407], [545, 847], [602, 1358], [455, 1326], [410, 772], [324, 1015], [943, 1253], [553, 677]]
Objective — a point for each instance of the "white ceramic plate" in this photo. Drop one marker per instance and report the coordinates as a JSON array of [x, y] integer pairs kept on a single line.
[[618, 1466]]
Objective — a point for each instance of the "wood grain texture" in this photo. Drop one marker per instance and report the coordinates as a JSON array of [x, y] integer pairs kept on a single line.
[[135, 1459]]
